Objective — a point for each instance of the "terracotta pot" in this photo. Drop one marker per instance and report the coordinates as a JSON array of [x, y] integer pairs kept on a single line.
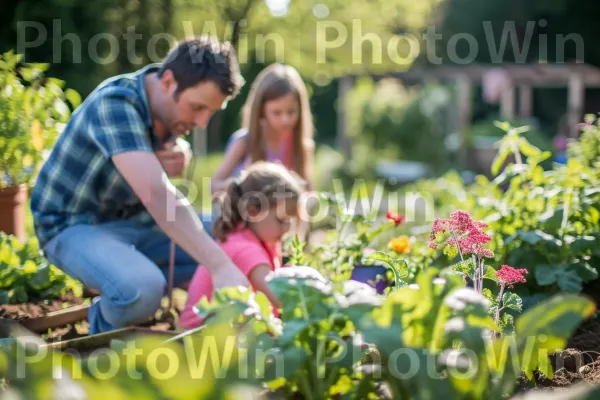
[[12, 210]]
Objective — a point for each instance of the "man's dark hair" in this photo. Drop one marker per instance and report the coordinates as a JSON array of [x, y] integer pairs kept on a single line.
[[202, 59]]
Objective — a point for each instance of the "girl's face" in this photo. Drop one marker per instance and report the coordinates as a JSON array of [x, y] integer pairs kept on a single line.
[[270, 225], [281, 114]]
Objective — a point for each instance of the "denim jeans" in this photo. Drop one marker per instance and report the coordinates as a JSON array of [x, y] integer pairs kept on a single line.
[[127, 262]]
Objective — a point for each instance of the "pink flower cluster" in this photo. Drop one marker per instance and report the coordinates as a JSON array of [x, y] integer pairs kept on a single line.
[[466, 234], [508, 275]]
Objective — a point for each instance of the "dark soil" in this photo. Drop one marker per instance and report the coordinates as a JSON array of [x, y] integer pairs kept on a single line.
[[19, 312], [580, 361], [160, 322]]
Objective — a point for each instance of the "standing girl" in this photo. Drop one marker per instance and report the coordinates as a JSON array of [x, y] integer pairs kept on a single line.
[[277, 126], [257, 210]]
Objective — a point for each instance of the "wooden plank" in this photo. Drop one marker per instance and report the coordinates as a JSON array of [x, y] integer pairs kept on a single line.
[[525, 101], [464, 97], [507, 105], [575, 103], [92, 342], [56, 318]]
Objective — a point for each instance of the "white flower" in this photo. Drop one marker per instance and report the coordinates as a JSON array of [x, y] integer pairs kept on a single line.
[[454, 359], [456, 324], [439, 281], [413, 286], [460, 298]]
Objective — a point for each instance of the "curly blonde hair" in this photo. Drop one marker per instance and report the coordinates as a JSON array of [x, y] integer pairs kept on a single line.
[[262, 180]]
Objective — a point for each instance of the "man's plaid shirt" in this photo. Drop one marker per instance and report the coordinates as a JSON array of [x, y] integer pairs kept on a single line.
[[78, 183]]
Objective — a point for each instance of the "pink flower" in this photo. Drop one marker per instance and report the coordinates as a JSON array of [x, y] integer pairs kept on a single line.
[[397, 218], [467, 235], [508, 275]]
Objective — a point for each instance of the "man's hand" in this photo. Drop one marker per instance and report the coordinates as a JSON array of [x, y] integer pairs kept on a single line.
[[173, 159], [229, 276]]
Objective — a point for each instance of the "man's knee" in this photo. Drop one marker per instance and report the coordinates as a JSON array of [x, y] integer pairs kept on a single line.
[[133, 302]]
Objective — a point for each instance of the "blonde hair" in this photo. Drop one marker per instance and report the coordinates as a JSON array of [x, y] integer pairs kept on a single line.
[[273, 82], [261, 180]]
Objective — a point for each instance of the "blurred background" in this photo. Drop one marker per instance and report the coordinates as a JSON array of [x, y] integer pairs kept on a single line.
[[399, 88]]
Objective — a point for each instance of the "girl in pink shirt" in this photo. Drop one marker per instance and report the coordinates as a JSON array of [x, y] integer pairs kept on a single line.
[[257, 210]]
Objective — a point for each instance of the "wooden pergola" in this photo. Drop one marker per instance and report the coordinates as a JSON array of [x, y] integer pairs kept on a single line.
[[522, 78]]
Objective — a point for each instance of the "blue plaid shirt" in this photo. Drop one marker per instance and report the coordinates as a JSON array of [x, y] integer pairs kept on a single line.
[[78, 183]]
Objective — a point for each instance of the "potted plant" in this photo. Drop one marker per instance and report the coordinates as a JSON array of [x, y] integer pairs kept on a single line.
[[33, 110]]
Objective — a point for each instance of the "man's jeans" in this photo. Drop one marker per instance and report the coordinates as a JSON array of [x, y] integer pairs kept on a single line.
[[127, 262]]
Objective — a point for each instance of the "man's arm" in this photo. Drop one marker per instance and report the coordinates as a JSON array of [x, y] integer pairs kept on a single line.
[[175, 216]]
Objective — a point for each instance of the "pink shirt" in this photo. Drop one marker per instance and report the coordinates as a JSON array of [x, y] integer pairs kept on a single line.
[[247, 252]]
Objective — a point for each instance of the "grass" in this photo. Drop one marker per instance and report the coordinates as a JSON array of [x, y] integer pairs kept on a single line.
[[195, 183]]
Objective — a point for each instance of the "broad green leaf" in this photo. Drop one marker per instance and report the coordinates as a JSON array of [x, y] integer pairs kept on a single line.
[[489, 295], [546, 274], [569, 280], [512, 301], [490, 273], [292, 328], [40, 279], [73, 97], [585, 271], [399, 267], [583, 244], [224, 299], [293, 359], [499, 160], [552, 219], [528, 149], [302, 288], [505, 126], [263, 303]]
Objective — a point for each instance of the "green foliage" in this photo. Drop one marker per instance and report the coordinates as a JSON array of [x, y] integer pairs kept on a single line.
[[400, 123], [33, 109], [426, 341], [546, 221], [27, 276], [349, 243], [587, 148], [204, 366]]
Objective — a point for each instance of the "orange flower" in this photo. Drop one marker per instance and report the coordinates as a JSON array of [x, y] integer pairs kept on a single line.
[[400, 244]]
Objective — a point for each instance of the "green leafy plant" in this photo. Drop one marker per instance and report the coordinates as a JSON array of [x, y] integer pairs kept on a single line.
[[546, 221], [33, 110], [427, 340], [25, 275], [587, 148], [351, 242], [156, 370]]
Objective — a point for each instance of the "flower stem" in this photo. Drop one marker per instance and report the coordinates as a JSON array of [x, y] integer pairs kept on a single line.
[[497, 318], [457, 245]]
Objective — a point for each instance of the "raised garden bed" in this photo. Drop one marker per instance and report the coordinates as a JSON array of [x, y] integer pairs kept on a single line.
[[42, 315]]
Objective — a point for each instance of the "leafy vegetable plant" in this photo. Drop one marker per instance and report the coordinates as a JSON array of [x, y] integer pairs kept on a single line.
[[25, 275]]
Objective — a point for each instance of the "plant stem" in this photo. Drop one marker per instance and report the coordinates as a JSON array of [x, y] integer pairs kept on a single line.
[[476, 274], [303, 304], [518, 158], [305, 387], [497, 319], [457, 245], [566, 205]]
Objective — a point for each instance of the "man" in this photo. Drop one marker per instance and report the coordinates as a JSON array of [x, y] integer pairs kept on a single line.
[[104, 209]]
